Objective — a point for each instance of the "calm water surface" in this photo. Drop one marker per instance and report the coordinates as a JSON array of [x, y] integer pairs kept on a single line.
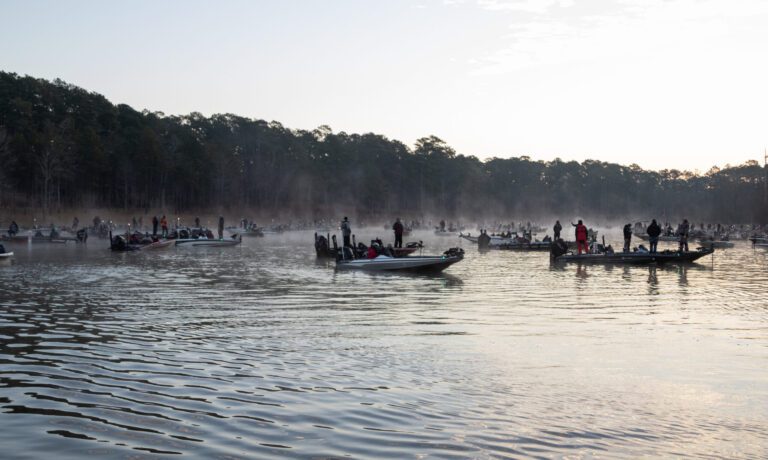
[[262, 351]]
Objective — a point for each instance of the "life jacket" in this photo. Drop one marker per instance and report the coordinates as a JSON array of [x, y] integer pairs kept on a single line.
[[581, 232]]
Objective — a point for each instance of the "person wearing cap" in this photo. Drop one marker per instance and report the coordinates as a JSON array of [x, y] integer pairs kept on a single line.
[[346, 232]]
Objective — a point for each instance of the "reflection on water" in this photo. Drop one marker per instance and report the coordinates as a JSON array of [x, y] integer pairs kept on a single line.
[[264, 351]]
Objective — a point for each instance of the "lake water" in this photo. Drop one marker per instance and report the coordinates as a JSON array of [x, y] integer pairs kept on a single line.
[[263, 351]]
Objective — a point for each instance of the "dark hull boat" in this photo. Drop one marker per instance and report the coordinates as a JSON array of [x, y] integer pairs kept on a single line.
[[717, 244], [123, 243], [636, 257]]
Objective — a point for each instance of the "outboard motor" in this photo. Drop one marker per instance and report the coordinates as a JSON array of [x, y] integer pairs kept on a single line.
[[82, 235], [483, 241], [321, 245], [183, 234], [118, 243], [558, 248]]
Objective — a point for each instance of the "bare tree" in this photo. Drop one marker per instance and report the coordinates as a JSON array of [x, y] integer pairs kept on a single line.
[[54, 160]]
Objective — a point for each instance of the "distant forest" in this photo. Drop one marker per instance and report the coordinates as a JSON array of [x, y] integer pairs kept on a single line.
[[62, 147]]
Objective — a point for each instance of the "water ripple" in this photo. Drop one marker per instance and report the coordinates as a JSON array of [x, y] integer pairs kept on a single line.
[[261, 351]]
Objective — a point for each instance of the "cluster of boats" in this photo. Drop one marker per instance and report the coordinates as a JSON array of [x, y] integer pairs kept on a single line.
[[188, 237], [704, 240], [507, 241], [380, 257]]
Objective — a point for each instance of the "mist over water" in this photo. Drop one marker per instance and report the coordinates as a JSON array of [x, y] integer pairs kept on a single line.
[[262, 350]]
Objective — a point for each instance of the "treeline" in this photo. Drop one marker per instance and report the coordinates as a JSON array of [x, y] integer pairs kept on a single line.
[[64, 147]]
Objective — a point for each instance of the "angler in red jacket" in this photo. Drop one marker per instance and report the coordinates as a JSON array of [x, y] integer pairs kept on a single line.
[[581, 236]]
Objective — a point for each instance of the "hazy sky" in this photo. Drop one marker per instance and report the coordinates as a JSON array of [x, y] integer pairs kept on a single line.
[[662, 83]]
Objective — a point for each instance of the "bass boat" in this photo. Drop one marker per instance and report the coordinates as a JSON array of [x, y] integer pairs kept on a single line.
[[717, 244], [606, 255], [405, 264], [234, 241]]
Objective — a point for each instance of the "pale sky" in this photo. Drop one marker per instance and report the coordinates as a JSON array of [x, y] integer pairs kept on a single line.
[[661, 83]]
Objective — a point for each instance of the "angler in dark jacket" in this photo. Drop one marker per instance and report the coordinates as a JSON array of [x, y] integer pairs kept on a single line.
[[627, 237], [346, 232], [682, 231], [653, 230], [556, 229], [398, 228]]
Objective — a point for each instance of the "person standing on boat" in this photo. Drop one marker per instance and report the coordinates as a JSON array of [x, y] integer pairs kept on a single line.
[[627, 237], [653, 230], [197, 222], [346, 232], [556, 229], [581, 236], [683, 233], [221, 227], [75, 223], [164, 226], [398, 228], [155, 223]]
